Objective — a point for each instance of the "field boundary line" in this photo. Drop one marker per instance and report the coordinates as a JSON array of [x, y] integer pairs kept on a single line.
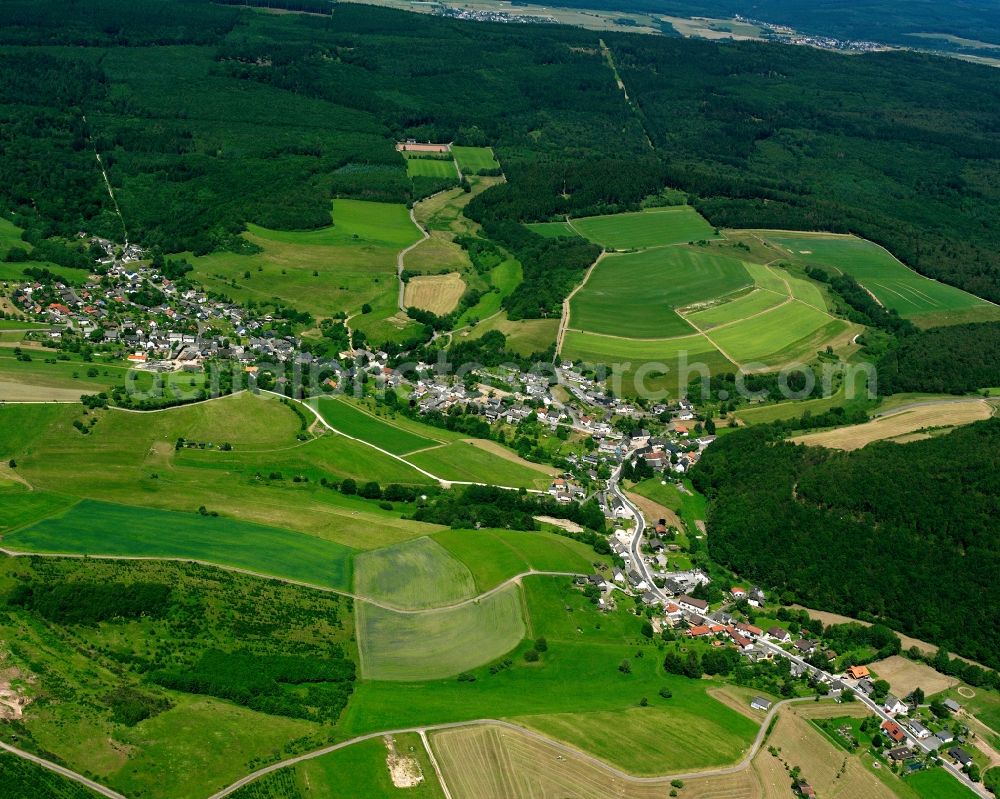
[[434, 764], [392, 424], [527, 731], [440, 480], [388, 606], [62, 771]]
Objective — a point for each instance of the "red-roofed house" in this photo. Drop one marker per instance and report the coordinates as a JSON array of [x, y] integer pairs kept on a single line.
[[894, 731]]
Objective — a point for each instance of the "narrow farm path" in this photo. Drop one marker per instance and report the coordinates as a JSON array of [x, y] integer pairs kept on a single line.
[[564, 319], [472, 600], [401, 256]]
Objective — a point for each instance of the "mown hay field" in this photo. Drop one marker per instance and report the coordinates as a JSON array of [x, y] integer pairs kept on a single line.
[[415, 574], [433, 644], [947, 413], [438, 294]]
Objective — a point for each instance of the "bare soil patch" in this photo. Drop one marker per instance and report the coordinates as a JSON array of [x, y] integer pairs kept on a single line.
[[905, 675], [565, 524], [403, 769], [654, 511]]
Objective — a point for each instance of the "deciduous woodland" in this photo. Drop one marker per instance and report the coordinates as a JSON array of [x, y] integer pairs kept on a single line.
[[904, 532], [259, 118]]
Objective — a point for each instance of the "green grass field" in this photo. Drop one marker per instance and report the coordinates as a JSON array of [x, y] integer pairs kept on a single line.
[[894, 285], [524, 336], [131, 459], [416, 574], [369, 775], [736, 309], [100, 528], [680, 358], [431, 168], [553, 230], [635, 295], [335, 268], [497, 555], [472, 159], [433, 644], [936, 783], [574, 691], [352, 421], [464, 461], [503, 279], [20, 507], [767, 337], [653, 227]]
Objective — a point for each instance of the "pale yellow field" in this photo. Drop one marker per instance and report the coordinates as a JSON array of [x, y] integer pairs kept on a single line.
[[438, 294], [905, 675], [902, 423], [11, 391], [492, 762], [821, 762]]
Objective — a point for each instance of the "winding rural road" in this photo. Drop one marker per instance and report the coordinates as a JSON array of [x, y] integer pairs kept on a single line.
[[61, 770]]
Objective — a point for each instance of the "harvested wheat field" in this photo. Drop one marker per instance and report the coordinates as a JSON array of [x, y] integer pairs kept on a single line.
[[493, 762], [947, 413], [905, 675], [831, 771], [438, 294]]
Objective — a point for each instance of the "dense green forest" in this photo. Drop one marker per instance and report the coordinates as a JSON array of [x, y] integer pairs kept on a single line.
[[209, 116], [905, 533], [955, 359]]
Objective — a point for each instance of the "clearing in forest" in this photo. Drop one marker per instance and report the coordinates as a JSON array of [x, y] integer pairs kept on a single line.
[[652, 227]]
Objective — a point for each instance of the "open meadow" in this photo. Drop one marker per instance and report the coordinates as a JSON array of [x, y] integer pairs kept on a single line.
[[658, 364], [414, 575], [909, 422], [524, 336], [353, 421], [433, 644], [466, 461], [652, 227], [431, 168], [472, 159], [494, 556], [893, 284], [336, 268], [269, 476], [636, 294], [101, 528], [553, 230]]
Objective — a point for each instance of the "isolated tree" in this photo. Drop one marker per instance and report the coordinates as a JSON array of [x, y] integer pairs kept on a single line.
[[349, 486]]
